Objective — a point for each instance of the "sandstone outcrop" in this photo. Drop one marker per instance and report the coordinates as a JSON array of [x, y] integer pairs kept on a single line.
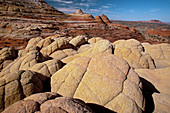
[[91, 78], [49, 102], [99, 19], [79, 12], [132, 51], [105, 18], [17, 85]]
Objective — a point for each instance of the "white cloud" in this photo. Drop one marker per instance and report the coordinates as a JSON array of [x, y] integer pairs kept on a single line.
[[63, 1], [83, 4], [105, 7], [131, 10], [154, 10], [69, 10], [94, 10]]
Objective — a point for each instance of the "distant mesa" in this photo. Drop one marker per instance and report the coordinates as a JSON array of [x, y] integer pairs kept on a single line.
[[153, 21]]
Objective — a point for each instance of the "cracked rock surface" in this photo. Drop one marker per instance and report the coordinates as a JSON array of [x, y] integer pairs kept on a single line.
[[132, 51], [103, 79]]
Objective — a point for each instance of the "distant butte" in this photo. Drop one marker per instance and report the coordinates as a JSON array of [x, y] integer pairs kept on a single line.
[[153, 21], [79, 12]]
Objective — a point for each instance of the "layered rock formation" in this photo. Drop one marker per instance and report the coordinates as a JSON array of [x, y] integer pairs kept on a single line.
[[23, 20], [27, 6]]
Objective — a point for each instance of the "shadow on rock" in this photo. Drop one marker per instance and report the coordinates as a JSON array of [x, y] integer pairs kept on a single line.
[[99, 109], [148, 90]]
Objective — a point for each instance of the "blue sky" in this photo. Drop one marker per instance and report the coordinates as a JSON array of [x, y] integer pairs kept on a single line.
[[131, 10]]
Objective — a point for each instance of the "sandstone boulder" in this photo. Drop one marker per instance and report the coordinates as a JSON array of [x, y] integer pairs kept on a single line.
[[84, 48], [79, 40], [60, 54], [58, 44], [49, 102], [47, 68], [102, 79], [44, 42], [32, 42], [17, 85], [132, 51]]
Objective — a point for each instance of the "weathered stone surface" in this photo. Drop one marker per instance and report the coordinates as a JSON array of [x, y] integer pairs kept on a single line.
[[84, 48], [79, 40], [158, 51], [59, 43], [49, 103], [157, 82], [23, 106], [162, 103], [60, 54], [99, 79], [158, 77], [17, 85], [102, 46], [132, 51], [123, 104]]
